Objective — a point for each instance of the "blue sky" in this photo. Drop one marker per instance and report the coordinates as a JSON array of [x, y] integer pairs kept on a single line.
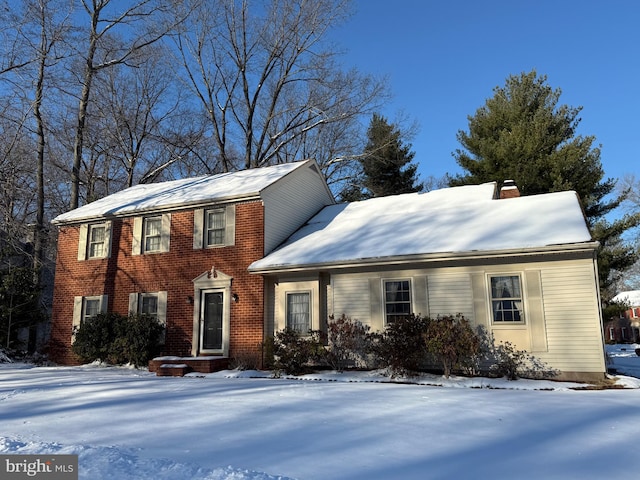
[[443, 59]]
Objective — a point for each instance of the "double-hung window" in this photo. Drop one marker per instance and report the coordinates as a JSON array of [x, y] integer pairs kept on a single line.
[[94, 241], [153, 304], [87, 308], [149, 304], [215, 227], [299, 312], [97, 238], [90, 308], [397, 299], [152, 232], [506, 299]]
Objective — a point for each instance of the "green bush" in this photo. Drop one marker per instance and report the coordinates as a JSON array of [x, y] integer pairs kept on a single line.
[[348, 343], [117, 339], [453, 342], [401, 347], [293, 353]]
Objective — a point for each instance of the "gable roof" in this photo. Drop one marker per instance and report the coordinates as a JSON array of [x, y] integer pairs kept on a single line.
[[190, 191], [632, 297], [449, 221]]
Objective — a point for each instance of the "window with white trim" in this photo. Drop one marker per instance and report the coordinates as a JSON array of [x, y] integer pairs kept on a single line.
[[86, 308], [506, 299], [96, 244], [397, 299], [150, 303], [152, 234], [214, 227], [612, 333], [90, 308], [94, 241], [299, 311]]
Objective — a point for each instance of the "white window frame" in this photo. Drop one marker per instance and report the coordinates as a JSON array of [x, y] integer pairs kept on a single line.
[[201, 230], [139, 238], [513, 299], [209, 229], [612, 333], [385, 302], [285, 287], [309, 312], [84, 243], [79, 309], [147, 237], [136, 303]]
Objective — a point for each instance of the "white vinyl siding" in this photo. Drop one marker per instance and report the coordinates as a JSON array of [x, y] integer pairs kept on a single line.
[[560, 302], [94, 241], [573, 325], [147, 238], [203, 234], [290, 296], [450, 295], [283, 211], [351, 297]]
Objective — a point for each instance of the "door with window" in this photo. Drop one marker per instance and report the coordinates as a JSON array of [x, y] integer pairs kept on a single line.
[[212, 315]]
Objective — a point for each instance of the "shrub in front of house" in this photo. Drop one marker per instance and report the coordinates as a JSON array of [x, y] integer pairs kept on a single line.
[[118, 339], [506, 360], [294, 354], [348, 343], [401, 347], [453, 343]]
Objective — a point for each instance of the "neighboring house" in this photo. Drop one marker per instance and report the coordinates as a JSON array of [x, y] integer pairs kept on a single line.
[[626, 328], [522, 267], [180, 250], [227, 260]]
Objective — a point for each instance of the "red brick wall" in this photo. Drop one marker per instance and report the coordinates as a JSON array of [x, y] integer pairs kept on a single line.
[[174, 271]]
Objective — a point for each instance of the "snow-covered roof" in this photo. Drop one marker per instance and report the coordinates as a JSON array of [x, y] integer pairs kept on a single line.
[[631, 297], [176, 193], [451, 220]]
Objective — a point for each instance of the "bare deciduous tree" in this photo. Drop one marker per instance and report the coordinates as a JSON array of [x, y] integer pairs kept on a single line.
[[142, 24], [269, 84]]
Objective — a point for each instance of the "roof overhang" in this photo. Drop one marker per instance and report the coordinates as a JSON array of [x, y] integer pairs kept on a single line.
[[165, 208], [584, 248]]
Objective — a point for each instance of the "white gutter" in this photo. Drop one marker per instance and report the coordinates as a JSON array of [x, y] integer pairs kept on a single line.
[[586, 247]]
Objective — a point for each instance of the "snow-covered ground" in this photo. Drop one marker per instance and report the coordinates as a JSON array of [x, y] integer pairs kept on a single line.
[[129, 424]]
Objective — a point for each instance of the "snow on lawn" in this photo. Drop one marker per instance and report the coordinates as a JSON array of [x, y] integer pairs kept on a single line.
[[130, 424]]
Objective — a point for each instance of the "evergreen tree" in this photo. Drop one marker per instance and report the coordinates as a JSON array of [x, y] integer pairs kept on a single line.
[[19, 297], [523, 133], [386, 164]]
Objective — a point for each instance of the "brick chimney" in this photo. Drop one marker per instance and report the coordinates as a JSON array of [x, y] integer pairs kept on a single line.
[[509, 190]]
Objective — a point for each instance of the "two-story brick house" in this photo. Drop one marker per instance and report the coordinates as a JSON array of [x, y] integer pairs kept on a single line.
[[626, 328], [180, 250], [227, 260]]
